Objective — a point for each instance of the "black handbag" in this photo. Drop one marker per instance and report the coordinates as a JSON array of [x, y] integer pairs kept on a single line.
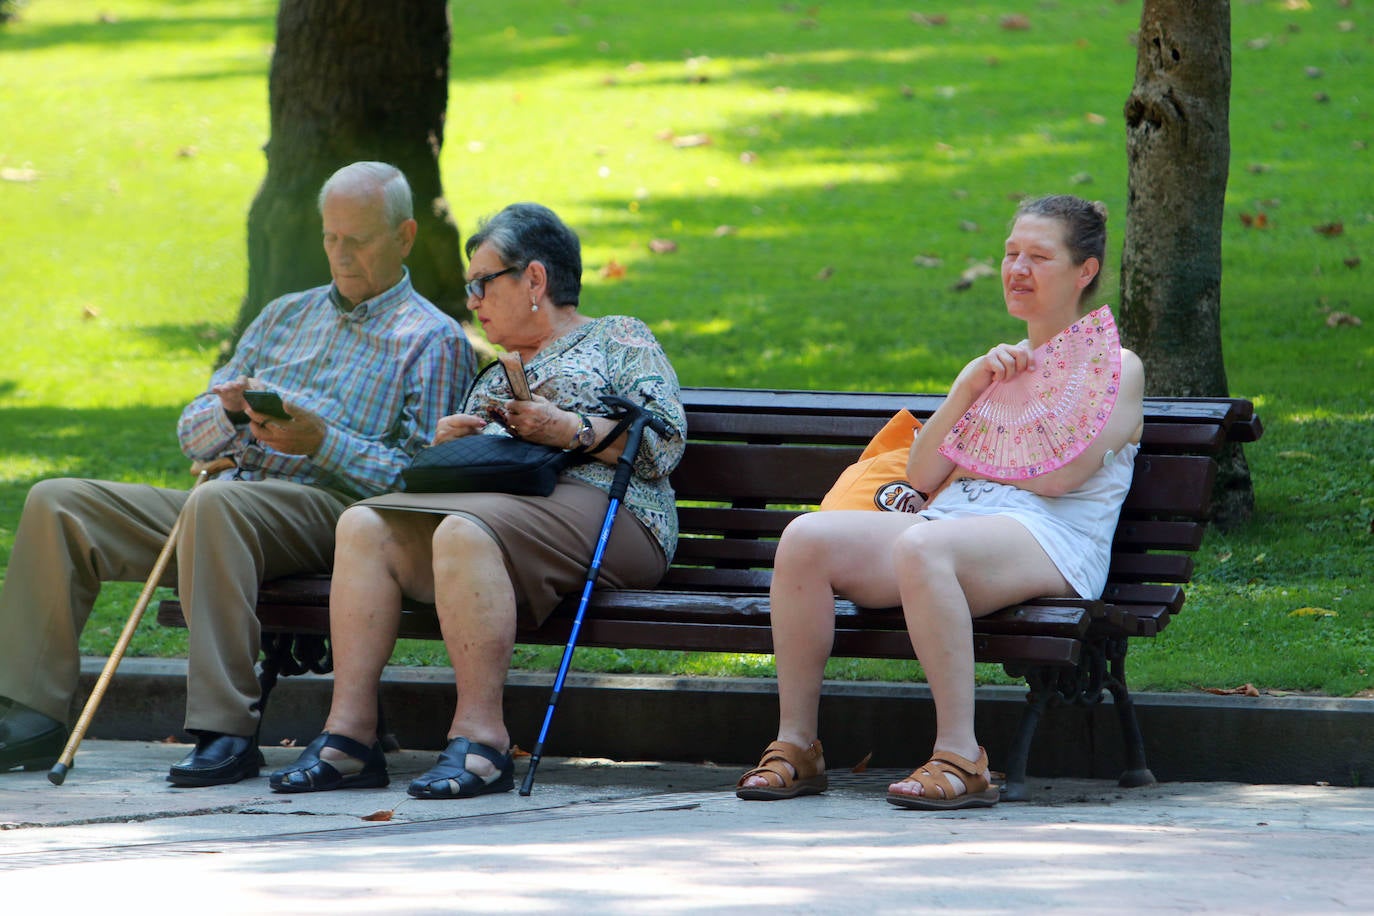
[[488, 464]]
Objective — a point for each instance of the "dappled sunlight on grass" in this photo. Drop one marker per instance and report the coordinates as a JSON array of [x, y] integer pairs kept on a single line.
[[801, 159]]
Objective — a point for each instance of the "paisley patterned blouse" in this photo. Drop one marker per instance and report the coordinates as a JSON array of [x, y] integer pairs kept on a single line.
[[616, 354]]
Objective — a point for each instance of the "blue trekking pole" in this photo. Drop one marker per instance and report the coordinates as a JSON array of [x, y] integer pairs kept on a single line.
[[639, 418]]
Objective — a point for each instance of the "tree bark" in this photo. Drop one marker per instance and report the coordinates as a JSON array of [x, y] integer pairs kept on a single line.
[[1178, 151], [353, 80]]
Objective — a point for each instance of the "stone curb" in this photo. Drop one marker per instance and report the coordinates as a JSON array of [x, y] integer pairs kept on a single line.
[[1188, 737]]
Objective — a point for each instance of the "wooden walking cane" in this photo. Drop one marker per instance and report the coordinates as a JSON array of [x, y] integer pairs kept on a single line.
[[58, 774]]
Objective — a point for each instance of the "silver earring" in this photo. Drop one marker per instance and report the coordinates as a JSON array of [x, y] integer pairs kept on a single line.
[[534, 306]]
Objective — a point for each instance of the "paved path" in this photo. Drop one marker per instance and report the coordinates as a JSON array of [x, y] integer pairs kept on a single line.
[[603, 837]]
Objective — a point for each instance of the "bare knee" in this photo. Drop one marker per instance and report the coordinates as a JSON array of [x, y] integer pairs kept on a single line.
[[360, 525], [921, 555], [460, 536], [807, 543]]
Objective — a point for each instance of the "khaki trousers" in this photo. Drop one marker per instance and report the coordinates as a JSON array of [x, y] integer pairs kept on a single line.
[[75, 534]]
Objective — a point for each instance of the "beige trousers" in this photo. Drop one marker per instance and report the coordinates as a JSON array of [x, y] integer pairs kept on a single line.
[[75, 534]]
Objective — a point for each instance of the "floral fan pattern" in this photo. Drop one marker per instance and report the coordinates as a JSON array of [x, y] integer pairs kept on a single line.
[[1043, 418]]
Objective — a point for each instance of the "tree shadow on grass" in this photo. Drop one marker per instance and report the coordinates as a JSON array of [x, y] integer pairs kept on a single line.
[[115, 30]]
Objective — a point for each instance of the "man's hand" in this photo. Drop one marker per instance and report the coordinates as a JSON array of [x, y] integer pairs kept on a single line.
[[300, 435], [457, 426], [231, 394]]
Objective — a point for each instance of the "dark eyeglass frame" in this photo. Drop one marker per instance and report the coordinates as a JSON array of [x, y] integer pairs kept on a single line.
[[476, 287]]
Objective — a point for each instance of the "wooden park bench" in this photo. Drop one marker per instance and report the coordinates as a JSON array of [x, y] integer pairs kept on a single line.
[[756, 459]]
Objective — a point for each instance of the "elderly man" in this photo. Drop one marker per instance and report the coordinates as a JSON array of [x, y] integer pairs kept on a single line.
[[365, 368]]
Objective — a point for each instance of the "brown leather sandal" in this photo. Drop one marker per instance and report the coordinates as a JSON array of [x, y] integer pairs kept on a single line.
[[934, 778], [806, 776]]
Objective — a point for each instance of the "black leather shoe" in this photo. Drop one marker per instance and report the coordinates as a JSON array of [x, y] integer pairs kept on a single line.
[[217, 760], [29, 739]]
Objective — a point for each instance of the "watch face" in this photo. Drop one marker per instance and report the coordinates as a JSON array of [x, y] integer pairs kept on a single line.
[[586, 436]]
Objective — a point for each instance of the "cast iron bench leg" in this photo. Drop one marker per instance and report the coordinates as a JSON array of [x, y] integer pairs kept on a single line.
[[1137, 772], [1037, 701]]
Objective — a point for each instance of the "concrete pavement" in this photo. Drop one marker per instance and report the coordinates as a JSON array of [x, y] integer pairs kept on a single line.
[[601, 836]]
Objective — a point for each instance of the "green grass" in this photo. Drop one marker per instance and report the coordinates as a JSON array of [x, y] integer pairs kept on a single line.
[[846, 141]]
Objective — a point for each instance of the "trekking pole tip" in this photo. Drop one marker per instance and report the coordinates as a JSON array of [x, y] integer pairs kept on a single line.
[[58, 774]]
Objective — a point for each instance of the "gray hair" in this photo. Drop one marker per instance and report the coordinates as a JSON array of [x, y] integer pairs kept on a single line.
[[1085, 229], [522, 233], [363, 177]]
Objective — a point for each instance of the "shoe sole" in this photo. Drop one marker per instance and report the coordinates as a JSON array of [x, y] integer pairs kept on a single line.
[[358, 781], [812, 785], [985, 799]]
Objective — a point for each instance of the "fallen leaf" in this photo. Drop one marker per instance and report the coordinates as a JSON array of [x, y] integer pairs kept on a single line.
[[927, 260], [724, 230], [1015, 22], [1352, 262], [974, 272], [662, 246], [862, 765], [171, 739], [1312, 612], [1329, 229], [748, 157], [613, 270], [516, 751], [1256, 221], [1258, 168], [1313, 73], [825, 273], [1244, 690], [926, 19], [187, 152], [692, 140], [967, 225], [88, 312], [1093, 117], [379, 815], [1336, 319], [1081, 178], [1302, 455], [1320, 97], [22, 174]]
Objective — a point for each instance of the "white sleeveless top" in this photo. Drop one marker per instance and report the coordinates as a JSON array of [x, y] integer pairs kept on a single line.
[[1075, 529]]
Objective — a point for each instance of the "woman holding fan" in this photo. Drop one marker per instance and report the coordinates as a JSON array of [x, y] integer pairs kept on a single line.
[[1026, 500]]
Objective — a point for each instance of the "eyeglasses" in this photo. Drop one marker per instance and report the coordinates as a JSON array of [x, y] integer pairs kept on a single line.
[[477, 286]]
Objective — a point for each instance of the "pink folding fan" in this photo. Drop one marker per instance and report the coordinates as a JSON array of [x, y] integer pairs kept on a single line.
[[1043, 418]]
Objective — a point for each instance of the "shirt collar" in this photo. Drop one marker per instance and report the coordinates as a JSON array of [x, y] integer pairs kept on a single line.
[[377, 305]]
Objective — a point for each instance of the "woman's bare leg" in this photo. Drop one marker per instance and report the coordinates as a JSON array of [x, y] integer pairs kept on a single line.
[[948, 573], [476, 605], [822, 554], [378, 555]]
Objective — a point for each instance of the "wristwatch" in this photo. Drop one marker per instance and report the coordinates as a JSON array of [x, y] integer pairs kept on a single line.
[[585, 437]]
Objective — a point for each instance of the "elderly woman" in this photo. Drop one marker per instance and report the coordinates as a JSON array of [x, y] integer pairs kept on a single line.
[[978, 545], [490, 562]]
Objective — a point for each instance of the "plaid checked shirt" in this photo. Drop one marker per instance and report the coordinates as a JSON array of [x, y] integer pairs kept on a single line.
[[380, 376]]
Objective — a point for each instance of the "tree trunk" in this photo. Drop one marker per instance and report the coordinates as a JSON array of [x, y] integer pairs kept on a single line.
[[1178, 151], [353, 80]]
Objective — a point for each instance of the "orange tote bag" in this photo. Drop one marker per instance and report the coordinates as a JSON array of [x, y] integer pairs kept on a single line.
[[877, 480]]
